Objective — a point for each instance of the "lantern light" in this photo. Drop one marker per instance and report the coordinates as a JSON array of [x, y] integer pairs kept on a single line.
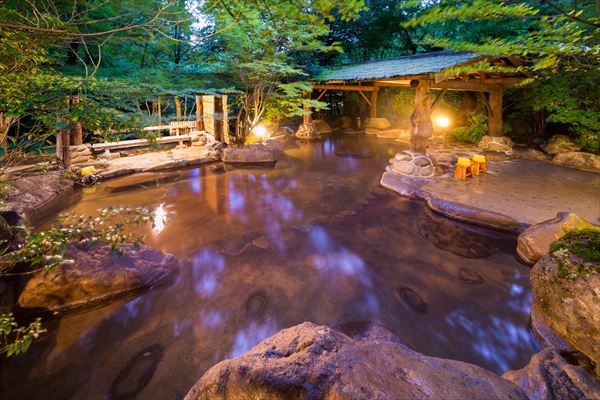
[[260, 131], [443, 122]]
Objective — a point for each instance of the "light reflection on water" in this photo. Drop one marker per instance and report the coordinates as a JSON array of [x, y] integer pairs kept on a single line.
[[264, 249]]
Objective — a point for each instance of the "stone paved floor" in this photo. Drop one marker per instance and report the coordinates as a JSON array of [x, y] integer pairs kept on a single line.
[[529, 191], [158, 160]]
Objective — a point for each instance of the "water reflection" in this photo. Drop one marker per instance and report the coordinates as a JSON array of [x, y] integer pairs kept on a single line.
[[263, 250], [160, 218]]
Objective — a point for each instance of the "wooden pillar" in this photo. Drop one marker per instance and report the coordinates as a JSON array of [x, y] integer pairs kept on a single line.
[[63, 142], [225, 114], [374, 103], [199, 124], [307, 110], [421, 126], [495, 112]]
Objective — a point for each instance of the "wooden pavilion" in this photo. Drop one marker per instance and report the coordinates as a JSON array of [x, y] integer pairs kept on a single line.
[[439, 71]]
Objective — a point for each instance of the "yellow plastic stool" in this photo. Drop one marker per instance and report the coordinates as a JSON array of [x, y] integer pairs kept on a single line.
[[479, 164], [463, 168], [88, 170]]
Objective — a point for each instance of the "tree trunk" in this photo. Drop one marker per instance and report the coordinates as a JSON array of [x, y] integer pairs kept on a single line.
[[178, 108], [495, 112], [159, 111], [421, 126], [5, 124], [307, 110]]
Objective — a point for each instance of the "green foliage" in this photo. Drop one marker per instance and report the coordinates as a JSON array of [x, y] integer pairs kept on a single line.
[[570, 100], [46, 249], [584, 244], [548, 37], [472, 133], [259, 43], [15, 339]]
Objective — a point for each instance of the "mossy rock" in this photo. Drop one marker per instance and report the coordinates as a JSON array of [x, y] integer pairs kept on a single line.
[[566, 291], [577, 253]]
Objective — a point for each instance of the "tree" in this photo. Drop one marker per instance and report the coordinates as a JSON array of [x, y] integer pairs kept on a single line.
[[556, 43], [261, 49]]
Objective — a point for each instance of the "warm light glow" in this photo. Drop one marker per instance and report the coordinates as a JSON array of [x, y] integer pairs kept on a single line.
[[160, 217], [260, 131], [443, 122]]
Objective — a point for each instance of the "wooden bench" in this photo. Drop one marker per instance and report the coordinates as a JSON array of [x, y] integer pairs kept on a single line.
[[124, 144]]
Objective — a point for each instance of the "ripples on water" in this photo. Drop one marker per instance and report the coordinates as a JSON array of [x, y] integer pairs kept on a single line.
[[262, 249]]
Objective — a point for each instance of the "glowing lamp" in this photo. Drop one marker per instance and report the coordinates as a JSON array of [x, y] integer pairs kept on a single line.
[[260, 131], [443, 122]]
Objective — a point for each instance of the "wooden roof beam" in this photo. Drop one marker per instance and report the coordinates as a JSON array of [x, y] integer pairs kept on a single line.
[[346, 87]]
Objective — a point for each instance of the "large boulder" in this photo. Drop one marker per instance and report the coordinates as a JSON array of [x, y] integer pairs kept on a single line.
[[526, 153], [307, 132], [29, 194], [560, 144], [534, 243], [378, 123], [413, 164], [579, 160], [96, 275], [316, 362], [499, 144], [344, 122], [254, 153], [549, 376], [566, 291], [322, 126]]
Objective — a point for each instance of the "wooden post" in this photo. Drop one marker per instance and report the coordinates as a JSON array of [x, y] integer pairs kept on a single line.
[[307, 110], [76, 129], [159, 111], [199, 124], [495, 112], [421, 126], [225, 113], [63, 142], [374, 104], [208, 114], [177, 107]]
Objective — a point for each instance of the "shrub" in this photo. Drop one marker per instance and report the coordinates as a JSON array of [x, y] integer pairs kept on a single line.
[[474, 132]]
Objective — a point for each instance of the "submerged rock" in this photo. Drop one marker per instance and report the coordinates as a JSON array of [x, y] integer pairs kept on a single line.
[[449, 236], [254, 153], [95, 276], [316, 362], [549, 376], [534, 243], [566, 291]]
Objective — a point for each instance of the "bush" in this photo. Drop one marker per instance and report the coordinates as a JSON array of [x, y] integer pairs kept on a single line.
[[474, 132]]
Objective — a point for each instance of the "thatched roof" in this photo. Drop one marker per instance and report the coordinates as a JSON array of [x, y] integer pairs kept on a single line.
[[417, 64]]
